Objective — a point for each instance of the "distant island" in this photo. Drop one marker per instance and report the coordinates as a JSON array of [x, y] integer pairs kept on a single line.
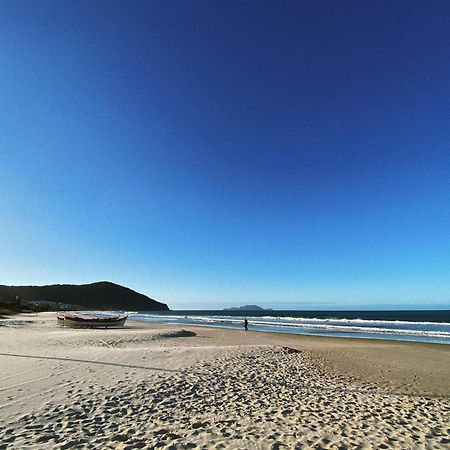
[[247, 308], [102, 295]]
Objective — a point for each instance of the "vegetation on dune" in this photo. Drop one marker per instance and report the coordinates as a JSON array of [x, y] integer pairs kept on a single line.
[[7, 308]]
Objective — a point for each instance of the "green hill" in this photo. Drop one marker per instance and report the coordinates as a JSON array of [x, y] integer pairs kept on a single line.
[[103, 295]]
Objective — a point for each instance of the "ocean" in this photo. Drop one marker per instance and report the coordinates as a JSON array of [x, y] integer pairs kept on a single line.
[[421, 326]]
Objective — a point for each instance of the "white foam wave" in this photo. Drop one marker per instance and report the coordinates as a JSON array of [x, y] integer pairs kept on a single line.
[[281, 319], [357, 326]]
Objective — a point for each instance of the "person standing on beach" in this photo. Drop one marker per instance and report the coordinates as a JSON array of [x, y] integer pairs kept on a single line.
[[246, 324]]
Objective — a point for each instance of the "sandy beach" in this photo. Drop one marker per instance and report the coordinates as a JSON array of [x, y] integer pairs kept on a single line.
[[156, 386]]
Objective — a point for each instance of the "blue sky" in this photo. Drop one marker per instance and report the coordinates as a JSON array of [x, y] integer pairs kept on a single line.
[[210, 154]]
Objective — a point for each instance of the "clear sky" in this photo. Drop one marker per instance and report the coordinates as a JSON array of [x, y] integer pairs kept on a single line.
[[210, 154]]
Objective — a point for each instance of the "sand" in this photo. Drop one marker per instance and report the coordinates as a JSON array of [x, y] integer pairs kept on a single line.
[[156, 386]]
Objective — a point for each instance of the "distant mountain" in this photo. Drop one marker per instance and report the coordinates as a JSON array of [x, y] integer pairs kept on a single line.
[[246, 308], [103, 295]]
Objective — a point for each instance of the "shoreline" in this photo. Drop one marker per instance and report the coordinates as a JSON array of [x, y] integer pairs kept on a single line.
[[397, 327], [347, 355], [305, 335], [149, 385]]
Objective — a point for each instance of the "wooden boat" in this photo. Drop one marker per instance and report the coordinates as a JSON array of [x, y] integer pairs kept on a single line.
[[80, 320]]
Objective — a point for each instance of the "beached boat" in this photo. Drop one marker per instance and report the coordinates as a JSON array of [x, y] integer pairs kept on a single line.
[[80, 320]]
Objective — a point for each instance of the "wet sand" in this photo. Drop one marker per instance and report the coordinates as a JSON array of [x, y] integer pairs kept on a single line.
[[156, 386]]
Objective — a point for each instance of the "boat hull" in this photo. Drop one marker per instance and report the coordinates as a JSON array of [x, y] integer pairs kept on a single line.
[[72, 321]]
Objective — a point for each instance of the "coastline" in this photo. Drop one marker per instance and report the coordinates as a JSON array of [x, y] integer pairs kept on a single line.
[[418, 368], [199, 387], [410, 326]]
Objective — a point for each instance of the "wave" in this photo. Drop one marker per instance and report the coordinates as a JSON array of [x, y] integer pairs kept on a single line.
[[352, 326], [353, 329], [360, 321], [299, 319]]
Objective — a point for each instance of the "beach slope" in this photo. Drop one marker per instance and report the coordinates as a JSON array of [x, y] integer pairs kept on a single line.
[[156, 386]]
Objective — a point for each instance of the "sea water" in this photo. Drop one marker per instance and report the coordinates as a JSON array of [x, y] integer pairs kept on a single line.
[[422, 326]]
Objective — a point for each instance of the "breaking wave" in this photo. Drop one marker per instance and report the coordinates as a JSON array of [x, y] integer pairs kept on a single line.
[[367, 328]]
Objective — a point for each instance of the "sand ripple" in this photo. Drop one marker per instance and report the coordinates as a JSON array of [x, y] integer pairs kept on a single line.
[[247, 398]]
